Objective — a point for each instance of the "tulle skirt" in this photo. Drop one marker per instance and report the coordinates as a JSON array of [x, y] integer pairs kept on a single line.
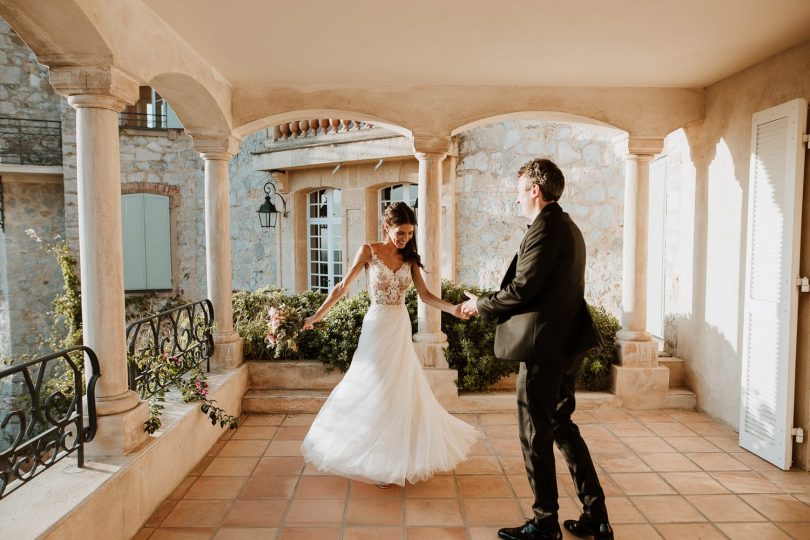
[[382, 422]]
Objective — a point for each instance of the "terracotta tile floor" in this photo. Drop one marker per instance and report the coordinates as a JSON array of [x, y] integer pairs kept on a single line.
[[667, 474]]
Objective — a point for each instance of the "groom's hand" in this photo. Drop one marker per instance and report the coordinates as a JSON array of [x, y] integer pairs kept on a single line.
[[469, 307]]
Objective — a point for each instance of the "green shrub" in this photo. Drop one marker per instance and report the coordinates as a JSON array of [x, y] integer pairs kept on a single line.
[[340, 333], [595, 371], [250, 320], [470, 343]]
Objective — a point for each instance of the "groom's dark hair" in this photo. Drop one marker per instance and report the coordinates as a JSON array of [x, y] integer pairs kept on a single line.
[[399, 213], [546, 175]]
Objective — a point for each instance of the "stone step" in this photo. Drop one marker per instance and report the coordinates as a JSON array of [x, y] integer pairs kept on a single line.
[[291, 375], [283, 401], [676, 370], [681, 398]]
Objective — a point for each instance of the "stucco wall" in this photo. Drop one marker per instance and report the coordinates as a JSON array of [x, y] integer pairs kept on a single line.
[[489, 228], [706, 311]]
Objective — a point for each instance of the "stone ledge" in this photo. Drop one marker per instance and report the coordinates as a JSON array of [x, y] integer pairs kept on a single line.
[[112, 497]]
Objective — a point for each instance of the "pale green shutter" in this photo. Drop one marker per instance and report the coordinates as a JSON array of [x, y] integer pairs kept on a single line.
[[157, 242], [134, 247]]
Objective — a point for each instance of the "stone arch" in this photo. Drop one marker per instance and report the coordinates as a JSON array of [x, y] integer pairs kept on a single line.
[[303, 114], [547, 116], [197, 109], [59, 33]]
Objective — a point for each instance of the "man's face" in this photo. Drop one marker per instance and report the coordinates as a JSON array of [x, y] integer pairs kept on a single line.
[[525, 198]]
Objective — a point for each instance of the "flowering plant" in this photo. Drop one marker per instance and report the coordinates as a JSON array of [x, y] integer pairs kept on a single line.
[[283, 324]]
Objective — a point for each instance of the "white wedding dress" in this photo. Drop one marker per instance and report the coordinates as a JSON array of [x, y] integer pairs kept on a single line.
[[382, 423]]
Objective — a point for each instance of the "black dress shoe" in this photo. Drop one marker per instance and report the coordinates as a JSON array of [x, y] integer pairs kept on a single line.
[[529, 531], [584, 527]]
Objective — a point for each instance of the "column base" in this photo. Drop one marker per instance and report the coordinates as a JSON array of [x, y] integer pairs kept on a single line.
[[640, 387], [430, 349], [227, 351], [637, 353], [119, 433]]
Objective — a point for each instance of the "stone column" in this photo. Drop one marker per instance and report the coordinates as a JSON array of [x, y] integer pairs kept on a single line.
[[216, 151], [98, 94], [429, 340], [637, 380]]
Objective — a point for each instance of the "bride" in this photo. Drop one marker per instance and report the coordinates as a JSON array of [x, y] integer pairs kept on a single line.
[[382, 424]]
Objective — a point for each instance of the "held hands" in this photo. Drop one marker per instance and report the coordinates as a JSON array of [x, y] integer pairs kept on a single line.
[[459, 312], [469, 308]]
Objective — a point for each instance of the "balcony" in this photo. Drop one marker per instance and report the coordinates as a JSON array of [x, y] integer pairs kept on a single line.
[[329, 141], [150, 121], [30, 142]]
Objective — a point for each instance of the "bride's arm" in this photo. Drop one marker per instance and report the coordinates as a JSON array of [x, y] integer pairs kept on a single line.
[[431, 299], [362, 258]]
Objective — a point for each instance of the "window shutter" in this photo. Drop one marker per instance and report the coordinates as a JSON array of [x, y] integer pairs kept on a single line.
[[771, 296], [158, 242], [134, 246]]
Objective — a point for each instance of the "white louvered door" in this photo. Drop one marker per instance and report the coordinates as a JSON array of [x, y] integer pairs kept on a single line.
[[771, 296]]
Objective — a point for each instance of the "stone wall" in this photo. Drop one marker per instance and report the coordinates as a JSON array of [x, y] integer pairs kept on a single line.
[[24, 88], [166, 158], [254, 249], [32, 277], [488, 219]]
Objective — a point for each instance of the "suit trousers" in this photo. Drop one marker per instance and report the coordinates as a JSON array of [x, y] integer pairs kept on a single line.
[[545, 396]]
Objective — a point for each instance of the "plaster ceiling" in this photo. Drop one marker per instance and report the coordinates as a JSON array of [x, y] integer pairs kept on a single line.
[[646, 43]]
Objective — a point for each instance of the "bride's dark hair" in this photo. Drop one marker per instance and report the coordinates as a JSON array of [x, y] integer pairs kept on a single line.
[[399, 213]]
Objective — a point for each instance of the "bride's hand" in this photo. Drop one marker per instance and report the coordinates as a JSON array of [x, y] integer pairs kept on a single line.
[[458, 311], [309, 322]]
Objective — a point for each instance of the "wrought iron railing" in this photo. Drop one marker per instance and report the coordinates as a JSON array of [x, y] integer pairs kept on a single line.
[[30, 142], [180, 338], [44, 424], [142, 121]]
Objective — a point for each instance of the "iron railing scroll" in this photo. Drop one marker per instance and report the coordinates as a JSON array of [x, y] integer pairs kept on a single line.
[[45, 422], [182, 336]]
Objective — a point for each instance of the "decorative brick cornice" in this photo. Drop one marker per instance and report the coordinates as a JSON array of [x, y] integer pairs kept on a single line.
[[173, 192]]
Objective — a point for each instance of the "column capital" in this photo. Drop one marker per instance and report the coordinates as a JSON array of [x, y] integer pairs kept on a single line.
[[220, 147], [99, 87], [431, 146], [639, 146]]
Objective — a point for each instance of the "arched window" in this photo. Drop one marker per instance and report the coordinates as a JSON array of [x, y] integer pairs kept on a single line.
[[147, 242], [325, 239], [400, 192]]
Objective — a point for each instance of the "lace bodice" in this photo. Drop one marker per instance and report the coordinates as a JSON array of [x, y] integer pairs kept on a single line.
[[386, 286]]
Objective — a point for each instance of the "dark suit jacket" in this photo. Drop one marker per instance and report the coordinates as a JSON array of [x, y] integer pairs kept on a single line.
[[541, 311]]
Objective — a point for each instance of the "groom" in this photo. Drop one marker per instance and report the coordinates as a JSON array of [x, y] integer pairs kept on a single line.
[[544, 323]]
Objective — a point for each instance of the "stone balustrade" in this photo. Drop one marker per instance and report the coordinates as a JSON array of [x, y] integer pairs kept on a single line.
[[299, 129]]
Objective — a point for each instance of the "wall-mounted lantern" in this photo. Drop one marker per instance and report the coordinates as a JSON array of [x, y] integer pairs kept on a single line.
[[268, 213]]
